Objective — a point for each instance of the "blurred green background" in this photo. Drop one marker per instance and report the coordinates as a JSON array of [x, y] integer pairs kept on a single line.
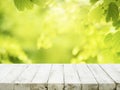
[[58, 31]]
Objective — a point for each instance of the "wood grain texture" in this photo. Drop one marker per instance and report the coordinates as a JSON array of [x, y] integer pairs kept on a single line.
[[104, 81], [39, 82], [24, 80], [71, 78], [7, 83], [114, 72], [59, 77], [87, 79], [56, 81], [4, 71]]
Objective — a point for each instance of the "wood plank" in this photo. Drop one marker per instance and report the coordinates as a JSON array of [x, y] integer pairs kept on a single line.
[[56, 81], [87, 79], [13, 74], [40, 80], [113, 70], [59, 77], [5, 69], [72, 81], [7, 82], [104, 81], [24, 80]]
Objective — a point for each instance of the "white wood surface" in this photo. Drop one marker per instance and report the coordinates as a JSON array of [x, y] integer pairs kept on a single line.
[[104, 81], [114, 72], [87, 79], [59, 77], [56, 81], [24, 80], [7, 81], [5, 69], [71, 78], [40, 80], [13, 74]]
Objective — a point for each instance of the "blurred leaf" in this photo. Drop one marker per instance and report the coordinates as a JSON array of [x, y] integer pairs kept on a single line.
[[93, 1], [116, 24], [28, 4], [96, 13], [112, 12], [91, 59], [113, 41], [22, 4], [19, 4], [38, 2], [108, 39], [15, 59]]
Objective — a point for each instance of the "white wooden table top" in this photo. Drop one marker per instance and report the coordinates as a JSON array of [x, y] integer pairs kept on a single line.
[[59, 77]]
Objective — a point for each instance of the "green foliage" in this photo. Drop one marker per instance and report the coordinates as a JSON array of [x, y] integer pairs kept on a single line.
[[112, 41], [10, 52], [60, 31], [112, 12], [95, 13], [22, 4], [38, 2], [106, 9], [93, 1], [117, 24]]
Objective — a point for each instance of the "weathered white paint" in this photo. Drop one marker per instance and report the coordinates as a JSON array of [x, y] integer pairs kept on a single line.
[[39, 82], [114, 72], [87, 79], [24, 80], [71, 78], [59, 77], [56, 81], [7, 83], [104, 81]]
